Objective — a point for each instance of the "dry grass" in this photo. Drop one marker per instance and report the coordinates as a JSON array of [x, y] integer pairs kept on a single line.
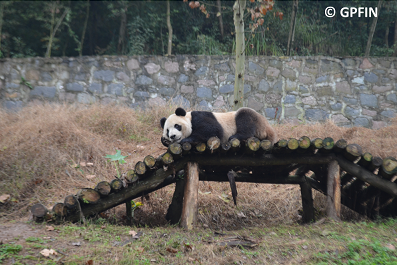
[[40, 144]]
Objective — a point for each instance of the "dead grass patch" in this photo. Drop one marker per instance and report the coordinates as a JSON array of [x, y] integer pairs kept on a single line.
[[40, 145]]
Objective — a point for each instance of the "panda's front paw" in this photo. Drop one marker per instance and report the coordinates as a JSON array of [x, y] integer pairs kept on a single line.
[[165, 142]]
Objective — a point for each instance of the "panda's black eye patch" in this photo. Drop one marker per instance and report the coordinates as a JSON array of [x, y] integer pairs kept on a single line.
[[168, 133], [178, 127]]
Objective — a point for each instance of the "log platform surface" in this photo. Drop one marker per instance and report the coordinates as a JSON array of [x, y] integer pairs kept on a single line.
[[343, 171]]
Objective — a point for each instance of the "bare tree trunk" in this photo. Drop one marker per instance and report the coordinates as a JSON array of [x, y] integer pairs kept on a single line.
[[395, 37], [2, 5], [169, 50], [238, 10], [123, 27], [84, 29], [387, 37], [292, 26], [372, 30], [53, 29], [220, 17]]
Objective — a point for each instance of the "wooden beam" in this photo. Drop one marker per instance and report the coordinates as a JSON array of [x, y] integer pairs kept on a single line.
[[190, 205], [264, 160], [333, 191], [360, 173]]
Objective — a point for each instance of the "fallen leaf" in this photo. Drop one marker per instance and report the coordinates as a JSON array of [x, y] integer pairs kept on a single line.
[[241, 215], [325, 233], [75, 166], [47, 252], [103, 227], [172, 250], [89, 262], [50, 228], [76, 244], [188, 246], [224, 198], [4, 198], [304, 247], [132, 233], [140, 249], [90, 176], [90, 164], [391, 247], [83, 164], [47, 237], [205, 193], [152, 260]]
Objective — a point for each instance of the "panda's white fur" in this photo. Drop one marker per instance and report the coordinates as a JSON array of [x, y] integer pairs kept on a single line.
[[180, 126]]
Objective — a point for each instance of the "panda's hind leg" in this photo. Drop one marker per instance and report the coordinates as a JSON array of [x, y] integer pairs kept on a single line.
[[245, 124]]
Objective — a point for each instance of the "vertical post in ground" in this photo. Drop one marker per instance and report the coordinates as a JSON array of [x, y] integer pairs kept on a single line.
[[175, 209], [333, 191], [128, 212], [307, 203], [190, 208]]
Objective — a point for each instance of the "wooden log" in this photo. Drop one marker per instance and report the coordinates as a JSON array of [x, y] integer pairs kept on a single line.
[[200, 148], [366, 160], [353, 152], [389, 168], [128, 212], [252, 145], [307, 202], [174, 211], [103, 188], [88, 196], [131, 176], [293, 144], [150, 161], [157, 180], [375, 163], [231, 175], [116, 185], [190, 206], [59, 210], [175, 150], [235, 143], [39, 212], [364, 175], [225, 147], [340, 146], [333, 191], [316, 144], [140, 169], [304, 144], [186, 147], [213, 145], [346, 178], [264, 160], [328, 145], [280, 146], [266, 146], [71, 203], [167, 159]]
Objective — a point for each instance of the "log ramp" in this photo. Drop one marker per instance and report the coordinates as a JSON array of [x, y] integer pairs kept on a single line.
[[341, 171]]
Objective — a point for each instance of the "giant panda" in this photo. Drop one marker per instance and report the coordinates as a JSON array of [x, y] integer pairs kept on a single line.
[[198, 126]]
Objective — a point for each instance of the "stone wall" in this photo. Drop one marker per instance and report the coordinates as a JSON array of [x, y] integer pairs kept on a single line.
[[350, 91]]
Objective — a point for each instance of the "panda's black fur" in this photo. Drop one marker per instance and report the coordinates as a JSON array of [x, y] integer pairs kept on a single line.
[[204, 125]]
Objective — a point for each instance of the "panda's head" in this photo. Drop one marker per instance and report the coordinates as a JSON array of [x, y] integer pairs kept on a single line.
[[178, 126]]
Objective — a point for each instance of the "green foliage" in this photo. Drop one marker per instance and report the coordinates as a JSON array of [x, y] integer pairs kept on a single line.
[[139, 36], [116, 159], [7, 251]]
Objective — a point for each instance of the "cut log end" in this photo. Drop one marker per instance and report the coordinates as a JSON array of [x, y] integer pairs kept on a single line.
[[175, 149], [88, 196], [317, 143], [150, 161], [140, 168], [253, 144], [71, 203], [266, 145], [213, 143], [235, 143], [304, 142], [293, 144], [60, 210], [328, 143], [167, 158], [103, 188], [201, 147], [131, 176], [38, 211], [116, 185]]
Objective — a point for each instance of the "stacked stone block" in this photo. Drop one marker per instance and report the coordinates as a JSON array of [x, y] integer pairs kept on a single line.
[[350, 91]]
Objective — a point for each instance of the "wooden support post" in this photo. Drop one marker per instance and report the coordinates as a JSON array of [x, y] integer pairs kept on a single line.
[[189, 209], [307, 202], [128, 212], [333, 191], [175, 209]]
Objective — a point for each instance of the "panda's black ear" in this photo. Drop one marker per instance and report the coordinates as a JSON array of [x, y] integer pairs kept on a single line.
[[162, 121], [180, 112]]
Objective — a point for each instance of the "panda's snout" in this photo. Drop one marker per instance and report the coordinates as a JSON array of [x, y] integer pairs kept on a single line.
[[172, 137]]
